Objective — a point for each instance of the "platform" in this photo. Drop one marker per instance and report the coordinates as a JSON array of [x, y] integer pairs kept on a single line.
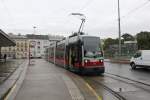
[[43, 81]]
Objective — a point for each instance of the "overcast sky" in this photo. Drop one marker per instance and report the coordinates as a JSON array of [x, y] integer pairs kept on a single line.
[[53, 16]]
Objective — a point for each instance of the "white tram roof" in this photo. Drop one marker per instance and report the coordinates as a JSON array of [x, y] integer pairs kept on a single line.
[[88, 36], [70, 40], [74, 39]]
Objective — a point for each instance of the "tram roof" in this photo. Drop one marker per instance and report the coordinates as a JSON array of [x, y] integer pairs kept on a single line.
[[70, 39]]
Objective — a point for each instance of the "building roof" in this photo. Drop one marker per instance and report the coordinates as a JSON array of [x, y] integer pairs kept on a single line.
[[17, 36], [5, 40], [33, 36], [130, 42]]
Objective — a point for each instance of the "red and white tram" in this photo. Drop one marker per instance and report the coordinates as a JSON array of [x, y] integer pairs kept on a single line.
[[81, 53]]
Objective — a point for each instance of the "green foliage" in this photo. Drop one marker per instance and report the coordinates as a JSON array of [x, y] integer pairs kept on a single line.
[[143, 39], [109, 41], [128, 37]]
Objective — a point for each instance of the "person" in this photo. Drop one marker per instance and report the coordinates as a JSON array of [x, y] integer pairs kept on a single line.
[[5, 57]]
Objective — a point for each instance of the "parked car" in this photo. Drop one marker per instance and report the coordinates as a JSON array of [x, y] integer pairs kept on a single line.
[[140, 59]]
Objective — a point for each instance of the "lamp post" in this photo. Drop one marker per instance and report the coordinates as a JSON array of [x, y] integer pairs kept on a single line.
[[119, 28], [0, 53], [29, 54], [34, 27]]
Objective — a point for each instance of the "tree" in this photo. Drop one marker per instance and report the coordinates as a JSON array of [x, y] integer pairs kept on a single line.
[[143, 39], [109, 41], [128, 37]]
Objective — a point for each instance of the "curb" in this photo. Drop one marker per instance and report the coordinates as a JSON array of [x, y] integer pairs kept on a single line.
[[118, 61], [14, 81]]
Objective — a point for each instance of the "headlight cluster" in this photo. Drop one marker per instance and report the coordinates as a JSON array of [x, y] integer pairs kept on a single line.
[[86, 61]]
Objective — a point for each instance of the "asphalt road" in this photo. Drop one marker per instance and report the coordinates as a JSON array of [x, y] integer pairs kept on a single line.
[[140, 74], [109, 84]]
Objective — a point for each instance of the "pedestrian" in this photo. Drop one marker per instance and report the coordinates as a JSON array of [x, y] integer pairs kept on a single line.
[[5, 57]]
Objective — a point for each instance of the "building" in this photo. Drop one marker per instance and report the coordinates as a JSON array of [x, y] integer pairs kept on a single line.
[[131, 47], [38, 44], [128, 48], [55, 38], [21, 48]]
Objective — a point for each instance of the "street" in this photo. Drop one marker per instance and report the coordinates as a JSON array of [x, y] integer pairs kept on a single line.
[[124, 70], [122, 82]]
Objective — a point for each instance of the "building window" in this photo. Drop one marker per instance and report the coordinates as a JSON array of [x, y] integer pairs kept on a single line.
[[21, 44], [17, 44], [38, 47], [38, 42]]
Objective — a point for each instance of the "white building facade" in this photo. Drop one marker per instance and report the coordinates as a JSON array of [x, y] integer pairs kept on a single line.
[[38, 44]]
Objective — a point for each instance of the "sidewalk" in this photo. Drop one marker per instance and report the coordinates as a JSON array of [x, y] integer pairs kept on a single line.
[[43, 81]]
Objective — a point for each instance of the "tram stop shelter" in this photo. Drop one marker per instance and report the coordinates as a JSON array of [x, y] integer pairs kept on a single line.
[[5, 41]]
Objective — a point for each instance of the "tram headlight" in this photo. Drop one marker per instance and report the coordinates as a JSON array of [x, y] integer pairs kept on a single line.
[[85, 61], [101, 60]]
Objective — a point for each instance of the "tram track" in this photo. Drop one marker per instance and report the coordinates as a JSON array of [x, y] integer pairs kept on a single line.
[[126, 80], [126, 89], [115, 94]]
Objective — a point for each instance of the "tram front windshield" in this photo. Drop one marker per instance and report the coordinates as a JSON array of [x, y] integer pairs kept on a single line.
[[92, 47]]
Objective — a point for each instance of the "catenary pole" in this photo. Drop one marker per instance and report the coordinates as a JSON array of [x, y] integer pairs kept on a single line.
[[119, 28]]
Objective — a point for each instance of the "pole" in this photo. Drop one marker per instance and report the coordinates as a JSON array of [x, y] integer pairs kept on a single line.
[[119, 28], [34, 27], [29, 54], [0, 53]]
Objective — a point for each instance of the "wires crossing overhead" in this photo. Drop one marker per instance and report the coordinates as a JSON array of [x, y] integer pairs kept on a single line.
[[11, 17], [86, 5], [136, 9]]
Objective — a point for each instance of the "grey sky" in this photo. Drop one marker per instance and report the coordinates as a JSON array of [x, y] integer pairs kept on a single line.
[[52, 16]]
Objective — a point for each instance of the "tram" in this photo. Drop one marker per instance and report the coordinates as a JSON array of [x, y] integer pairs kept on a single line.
[[79, 53]]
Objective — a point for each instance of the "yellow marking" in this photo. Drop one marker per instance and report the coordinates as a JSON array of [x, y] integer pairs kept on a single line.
[[8, 95], [94, 92]]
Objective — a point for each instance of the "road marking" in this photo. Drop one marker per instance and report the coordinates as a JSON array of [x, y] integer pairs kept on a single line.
[[11, 91], [73, 89], [94, 92]]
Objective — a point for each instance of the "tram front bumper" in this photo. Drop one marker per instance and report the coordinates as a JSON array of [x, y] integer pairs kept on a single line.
[[95, 69]]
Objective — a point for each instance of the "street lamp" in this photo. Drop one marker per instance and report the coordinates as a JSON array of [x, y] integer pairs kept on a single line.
[[29, 53], [34, 27]]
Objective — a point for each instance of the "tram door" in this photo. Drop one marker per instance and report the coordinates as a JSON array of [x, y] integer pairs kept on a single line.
[[68, 56], [74, 55]]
